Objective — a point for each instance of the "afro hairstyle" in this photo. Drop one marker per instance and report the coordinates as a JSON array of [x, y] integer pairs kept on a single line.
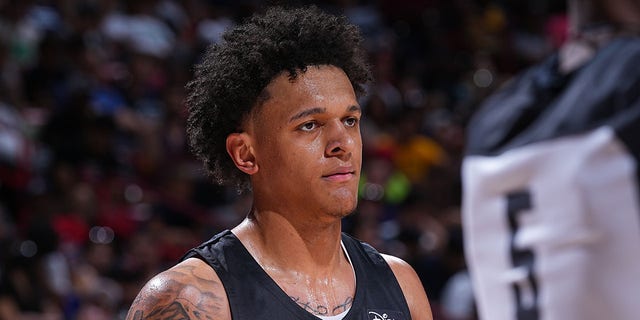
[[229, 81]]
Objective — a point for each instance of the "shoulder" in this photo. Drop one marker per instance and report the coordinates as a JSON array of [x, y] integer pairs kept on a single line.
[[189, 290], [411, 287]]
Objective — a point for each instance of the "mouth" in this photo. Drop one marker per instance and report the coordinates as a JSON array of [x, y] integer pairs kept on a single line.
[[340, 175]]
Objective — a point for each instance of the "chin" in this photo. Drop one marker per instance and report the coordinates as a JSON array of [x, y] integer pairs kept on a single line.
[[344, 207], [339, 202]]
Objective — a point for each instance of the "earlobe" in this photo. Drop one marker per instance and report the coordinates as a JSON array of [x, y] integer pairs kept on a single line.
[[240, 151]]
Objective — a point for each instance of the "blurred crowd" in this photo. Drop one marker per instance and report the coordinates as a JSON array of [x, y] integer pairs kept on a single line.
[[98, 189]]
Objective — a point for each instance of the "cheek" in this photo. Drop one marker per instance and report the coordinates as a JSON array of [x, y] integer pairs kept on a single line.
[[305, 156], [357, 151], [296, 160]]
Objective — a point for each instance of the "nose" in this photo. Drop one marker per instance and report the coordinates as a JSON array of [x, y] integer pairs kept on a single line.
[[341, 140]]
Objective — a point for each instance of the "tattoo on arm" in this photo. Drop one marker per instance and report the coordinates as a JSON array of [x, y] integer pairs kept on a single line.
[[174, 310], [181, 298], [322, 310]]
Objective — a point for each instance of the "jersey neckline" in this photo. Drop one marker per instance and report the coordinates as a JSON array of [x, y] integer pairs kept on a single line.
[[267, 282]]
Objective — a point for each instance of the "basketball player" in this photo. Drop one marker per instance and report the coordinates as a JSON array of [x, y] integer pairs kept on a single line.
[[551, 196], [274, 108]]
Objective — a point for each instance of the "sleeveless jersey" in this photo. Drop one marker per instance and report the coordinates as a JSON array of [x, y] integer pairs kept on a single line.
[[253, 294], [551, 210]]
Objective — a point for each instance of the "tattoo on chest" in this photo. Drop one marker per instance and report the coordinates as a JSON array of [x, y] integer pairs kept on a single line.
[[324, 310]]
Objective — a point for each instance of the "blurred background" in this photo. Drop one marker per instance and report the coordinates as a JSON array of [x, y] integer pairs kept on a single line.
[[98, 189]]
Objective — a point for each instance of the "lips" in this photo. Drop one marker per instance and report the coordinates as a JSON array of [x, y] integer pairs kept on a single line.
[[340, 174]]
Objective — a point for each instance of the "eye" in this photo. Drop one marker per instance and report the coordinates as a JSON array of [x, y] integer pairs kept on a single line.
[[308, 126], [351, 122]]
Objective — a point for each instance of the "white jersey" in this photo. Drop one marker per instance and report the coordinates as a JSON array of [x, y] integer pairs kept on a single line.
[[551, 202]]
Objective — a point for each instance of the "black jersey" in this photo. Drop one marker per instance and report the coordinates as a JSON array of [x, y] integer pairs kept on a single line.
[[551, 199], [253, 294]]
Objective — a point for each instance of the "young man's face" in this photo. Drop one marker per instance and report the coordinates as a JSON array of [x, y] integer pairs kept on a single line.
[[307, 144]]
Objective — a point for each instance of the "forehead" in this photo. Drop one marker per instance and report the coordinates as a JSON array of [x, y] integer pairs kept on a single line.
[[318, 87]]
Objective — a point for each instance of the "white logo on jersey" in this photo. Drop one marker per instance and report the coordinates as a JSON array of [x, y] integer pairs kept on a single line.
[[377, 316]]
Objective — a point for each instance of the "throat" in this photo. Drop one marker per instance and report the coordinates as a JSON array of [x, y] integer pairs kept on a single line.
[[279, 240]]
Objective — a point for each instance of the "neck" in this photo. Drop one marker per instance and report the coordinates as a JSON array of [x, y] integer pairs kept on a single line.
[[289, 241], [305, 261]]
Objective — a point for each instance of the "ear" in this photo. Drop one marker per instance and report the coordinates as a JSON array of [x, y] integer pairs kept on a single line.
[[240, 150]]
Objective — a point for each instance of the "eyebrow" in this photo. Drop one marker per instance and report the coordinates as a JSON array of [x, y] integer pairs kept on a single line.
[[318, 110]]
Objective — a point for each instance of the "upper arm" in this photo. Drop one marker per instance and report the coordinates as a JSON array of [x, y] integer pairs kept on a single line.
[[190, 290], [411, 287]]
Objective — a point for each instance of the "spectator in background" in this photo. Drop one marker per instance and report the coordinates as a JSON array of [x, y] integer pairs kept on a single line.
[[35, 282], [551, 214]]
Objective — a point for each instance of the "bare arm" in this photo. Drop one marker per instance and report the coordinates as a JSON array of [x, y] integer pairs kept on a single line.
[[411, 287], [190, 290]]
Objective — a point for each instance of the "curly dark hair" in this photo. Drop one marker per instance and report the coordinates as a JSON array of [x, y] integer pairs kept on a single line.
[[229, 81]]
